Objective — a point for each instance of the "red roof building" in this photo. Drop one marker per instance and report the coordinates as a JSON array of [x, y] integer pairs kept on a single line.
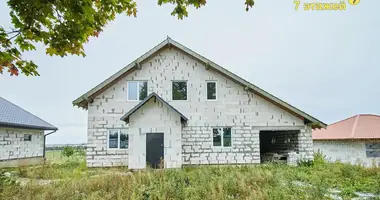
[[362, 126], [355, 140]]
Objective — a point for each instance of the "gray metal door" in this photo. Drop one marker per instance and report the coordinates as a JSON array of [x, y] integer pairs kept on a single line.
[[154, 149]]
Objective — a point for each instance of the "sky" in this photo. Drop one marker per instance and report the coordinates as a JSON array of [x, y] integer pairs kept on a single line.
[[325, 63]]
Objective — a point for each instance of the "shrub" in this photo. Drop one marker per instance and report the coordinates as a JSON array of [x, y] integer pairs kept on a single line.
[[5, 180], [68, 151]]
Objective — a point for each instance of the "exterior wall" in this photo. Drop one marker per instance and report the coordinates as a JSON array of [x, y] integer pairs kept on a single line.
[[155, 117], [198, 146], [352, 152], [13, 146], [21, 162], [235, 107]]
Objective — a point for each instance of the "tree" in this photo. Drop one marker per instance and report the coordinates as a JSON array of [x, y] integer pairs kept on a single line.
[[68, 151], [63, 26]]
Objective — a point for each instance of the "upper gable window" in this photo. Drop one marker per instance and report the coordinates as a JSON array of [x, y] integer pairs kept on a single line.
[[137, 90], [179, 90], [211, 90]]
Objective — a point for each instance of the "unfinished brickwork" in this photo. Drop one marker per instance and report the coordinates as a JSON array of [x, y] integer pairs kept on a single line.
[[197, 146], [13, 146], [235, 107], [305, 142]]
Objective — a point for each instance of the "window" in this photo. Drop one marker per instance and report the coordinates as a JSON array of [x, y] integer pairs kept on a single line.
[[179, 90], [372, 150], [27, 137], [137, 90], [221, 137], [211, 90], [118, 139]]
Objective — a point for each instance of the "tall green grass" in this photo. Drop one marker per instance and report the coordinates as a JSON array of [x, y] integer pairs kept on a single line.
[[268, 181]]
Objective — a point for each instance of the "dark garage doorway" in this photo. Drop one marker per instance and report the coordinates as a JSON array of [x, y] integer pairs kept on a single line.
[[275, 146]]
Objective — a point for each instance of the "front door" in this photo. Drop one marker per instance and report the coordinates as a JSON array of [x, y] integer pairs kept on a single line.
[[154, 149]]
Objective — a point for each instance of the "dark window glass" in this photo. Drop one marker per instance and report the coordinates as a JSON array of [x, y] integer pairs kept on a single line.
[[143, 90], [179, 90], [123, 139], [226, 137], [211, 90], [27, 137], [217, 137], [113, 139], [372, 150]]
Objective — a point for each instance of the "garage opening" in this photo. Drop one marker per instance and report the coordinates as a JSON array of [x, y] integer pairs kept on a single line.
[[279, 146]]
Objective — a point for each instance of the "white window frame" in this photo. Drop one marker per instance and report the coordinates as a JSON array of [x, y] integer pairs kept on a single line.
[[216, 91], [222, 137], [118, 139], [187, 89], [138, 90]]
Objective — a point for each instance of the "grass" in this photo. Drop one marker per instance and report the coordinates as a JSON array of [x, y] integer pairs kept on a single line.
[[271, 181]]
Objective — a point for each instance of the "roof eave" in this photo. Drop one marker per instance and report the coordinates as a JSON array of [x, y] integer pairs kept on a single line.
[[78, 102], [25, 126], [126, 116]]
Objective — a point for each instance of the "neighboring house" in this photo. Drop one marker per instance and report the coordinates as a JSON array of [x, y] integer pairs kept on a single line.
[[173, 103], [355, 140], [22, 138]]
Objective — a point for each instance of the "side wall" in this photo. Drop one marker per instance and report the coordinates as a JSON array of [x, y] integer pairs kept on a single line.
[[353, 152], [13, 146]]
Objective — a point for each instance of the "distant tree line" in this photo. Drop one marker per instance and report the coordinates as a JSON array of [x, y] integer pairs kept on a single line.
[[61, 147]]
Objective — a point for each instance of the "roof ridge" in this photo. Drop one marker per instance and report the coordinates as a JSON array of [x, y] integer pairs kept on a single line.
[[342, 120], [354, 126], [369, 115], [28, 112]]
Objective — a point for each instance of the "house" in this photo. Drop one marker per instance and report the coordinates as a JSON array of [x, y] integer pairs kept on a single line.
[[354, 140], [175, 104], [22, 136]]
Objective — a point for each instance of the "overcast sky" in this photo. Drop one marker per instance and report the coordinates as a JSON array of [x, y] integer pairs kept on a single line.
[[325, 63]]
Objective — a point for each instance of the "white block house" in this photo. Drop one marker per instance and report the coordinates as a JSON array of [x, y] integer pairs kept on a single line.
[[174, 105], [355, 140], [22, 136]]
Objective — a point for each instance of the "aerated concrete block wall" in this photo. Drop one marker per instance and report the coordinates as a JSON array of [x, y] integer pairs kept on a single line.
[[235, 107], [13, 146], [197, 146], [155, 117]]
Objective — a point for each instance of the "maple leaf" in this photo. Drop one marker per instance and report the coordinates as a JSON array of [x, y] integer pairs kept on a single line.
[[96, 34], [13, 70]]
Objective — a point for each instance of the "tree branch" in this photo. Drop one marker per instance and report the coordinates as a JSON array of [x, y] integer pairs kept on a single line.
[[18, 33]]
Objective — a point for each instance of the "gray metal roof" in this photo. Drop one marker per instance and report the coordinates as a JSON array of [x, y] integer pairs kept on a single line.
[[138, 106], [13, 116]]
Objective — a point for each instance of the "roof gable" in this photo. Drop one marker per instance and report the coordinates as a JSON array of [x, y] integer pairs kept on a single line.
[[143, 102], [88, 97], [362, 126], [13, 116]]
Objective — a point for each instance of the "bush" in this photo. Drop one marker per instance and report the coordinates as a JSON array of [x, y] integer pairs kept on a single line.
[[6, 179], [68, 151]]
